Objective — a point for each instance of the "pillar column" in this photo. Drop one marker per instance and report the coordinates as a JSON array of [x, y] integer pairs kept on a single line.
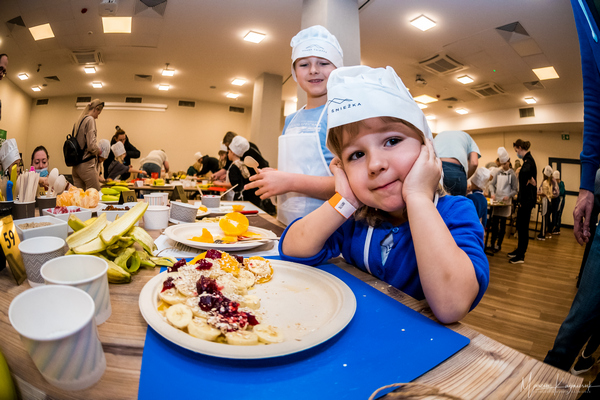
[[266, 115]]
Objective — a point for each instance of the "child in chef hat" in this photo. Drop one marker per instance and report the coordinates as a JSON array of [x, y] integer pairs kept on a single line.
[[479, 180], [384, 218], [547, 191], [116, 167], [303, 180]]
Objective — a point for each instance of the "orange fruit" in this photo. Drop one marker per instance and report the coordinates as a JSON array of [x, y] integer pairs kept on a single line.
[[197, 258], [206, 237], [234, 224], [229, 264], [237, 207]]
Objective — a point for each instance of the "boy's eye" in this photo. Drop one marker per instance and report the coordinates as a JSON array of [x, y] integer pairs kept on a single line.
[[325, 63], [393, 141], [356, 155]]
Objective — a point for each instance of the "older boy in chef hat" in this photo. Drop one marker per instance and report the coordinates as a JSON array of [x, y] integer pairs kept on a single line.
[[502, 188], [303, 180]]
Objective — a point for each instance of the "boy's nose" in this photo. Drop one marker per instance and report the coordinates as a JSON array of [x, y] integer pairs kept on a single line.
[[376, 165]]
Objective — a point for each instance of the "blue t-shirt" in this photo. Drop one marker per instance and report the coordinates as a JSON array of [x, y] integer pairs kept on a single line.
[[308, 119], [400, 269], [481, 205]]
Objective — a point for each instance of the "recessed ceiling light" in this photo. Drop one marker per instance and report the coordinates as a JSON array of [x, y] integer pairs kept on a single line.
[[41, 32], [96, 85], [422, 22], [163, 87], [545, 73], [116, 24], [425, 99], [421, 106], [22, 76], [233, 95], [254, 37], [238, 82], [89, 70], [530, 100], [430, 117], [36, 89], [465, 79], [167, 71], [462, 111]]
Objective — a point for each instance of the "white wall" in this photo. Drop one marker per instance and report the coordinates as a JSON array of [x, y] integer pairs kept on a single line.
[[16, 109]]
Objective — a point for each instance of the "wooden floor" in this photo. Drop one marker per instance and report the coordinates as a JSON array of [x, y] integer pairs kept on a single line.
[[526, 303]]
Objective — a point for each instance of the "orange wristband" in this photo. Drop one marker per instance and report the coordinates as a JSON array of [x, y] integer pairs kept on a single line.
[[341, 205]]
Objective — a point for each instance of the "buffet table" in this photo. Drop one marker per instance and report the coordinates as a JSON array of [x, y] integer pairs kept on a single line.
[[482, 369]]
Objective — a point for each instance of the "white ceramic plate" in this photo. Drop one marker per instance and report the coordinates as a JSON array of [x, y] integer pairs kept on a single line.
[[201, 213], [310, 306], [182, 233], [109, 202]]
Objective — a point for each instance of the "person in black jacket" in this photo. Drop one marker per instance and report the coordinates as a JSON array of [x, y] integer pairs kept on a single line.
[[526, 198], [132, 152]]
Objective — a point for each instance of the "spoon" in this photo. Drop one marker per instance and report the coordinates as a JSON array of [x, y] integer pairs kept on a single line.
[[229, 190], [52, 177], [250, 162], [60, 184]]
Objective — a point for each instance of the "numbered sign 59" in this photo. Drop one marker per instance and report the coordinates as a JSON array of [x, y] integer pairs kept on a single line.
[[10, 246]]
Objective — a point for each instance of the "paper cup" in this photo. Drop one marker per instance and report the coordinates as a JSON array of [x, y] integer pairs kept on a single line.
[[184, 212], [36, 251], [154, 199], [156, 217], [44, 202], [57, 328], [88, 273], [211, 201], [165, 197], [22, 210]]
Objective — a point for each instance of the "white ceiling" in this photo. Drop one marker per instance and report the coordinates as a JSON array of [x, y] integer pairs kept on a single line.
[[202, 41]]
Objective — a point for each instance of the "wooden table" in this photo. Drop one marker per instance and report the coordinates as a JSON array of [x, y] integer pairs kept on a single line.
[[483, 369]]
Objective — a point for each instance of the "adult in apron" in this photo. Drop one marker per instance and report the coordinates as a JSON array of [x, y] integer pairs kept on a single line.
[[300, 152]]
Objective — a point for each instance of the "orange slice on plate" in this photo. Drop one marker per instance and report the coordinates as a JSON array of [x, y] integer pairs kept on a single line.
[[237, 207], [206, 237], [234, 224]]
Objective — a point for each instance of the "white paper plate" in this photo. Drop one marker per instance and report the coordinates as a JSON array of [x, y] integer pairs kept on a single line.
[[182, 233], [310, 306], [178, 222], [109, 202], [201, 213]]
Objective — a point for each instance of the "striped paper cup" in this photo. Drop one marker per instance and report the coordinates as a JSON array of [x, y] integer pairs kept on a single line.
[[57, 328], [88, 273]]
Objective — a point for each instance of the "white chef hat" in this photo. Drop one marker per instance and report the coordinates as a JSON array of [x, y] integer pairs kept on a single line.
[[548, 170], [361, 92], [503, 155], [104, 146], [198, 156], [239, 145], [556, 174], [223, 147], [481, 177], [316, 41], [9, 153], [118, 149]]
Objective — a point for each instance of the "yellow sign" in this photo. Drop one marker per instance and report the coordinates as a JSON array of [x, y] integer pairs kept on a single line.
[[10, 246]]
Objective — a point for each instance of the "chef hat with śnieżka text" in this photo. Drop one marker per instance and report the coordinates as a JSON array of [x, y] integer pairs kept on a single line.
[[316, 41]]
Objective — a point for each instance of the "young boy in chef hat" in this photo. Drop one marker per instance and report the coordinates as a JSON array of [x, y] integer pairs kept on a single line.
[[384, 218], [479, 181], [303, 180]]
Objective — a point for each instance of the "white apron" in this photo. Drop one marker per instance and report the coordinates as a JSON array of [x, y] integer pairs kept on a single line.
[[503, 186], [300, 153]]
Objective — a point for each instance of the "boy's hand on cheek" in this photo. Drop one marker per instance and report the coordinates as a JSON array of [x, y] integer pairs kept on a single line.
[[424, 176], [342, 186]]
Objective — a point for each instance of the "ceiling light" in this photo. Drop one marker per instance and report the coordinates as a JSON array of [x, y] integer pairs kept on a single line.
[[238, 82], [462, 111], [430, 117], [465, 79], [422, 22], [233, 95], [116, 24], [23, 76], [89, 70], [545, 73], [41, 32], [421, 106], [96, 85], [36, 89], [425, 99], [254, 37], [167, 71], [163, 87], [530, 100]]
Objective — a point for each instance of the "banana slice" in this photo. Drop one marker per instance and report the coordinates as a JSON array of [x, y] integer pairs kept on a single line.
[[268, 333], [179, 315], [250, 301], [200, 329], [231, 284], [171, 296], [242, 338], [186, 288], [246, 278], [260, 267]]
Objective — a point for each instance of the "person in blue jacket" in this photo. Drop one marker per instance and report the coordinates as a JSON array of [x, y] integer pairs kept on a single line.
[[583, 320], [404, 231], [479, 180]]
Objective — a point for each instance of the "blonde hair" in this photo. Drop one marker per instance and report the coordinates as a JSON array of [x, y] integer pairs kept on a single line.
[[335, 143], [96, 103]]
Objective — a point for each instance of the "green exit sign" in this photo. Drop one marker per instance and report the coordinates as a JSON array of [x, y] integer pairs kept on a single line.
[[565, 137]]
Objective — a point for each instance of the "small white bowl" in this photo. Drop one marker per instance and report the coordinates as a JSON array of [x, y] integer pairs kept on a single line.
[[83, 214], [156, 217], [112, 215], [211, 201], [58, 228], [184, 212]]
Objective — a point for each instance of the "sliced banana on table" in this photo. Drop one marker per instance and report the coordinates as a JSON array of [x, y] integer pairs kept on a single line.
[[200, 329], [246, 278], [268, 333], [251, 301], [179, 315], [171, 296], [242, 338]]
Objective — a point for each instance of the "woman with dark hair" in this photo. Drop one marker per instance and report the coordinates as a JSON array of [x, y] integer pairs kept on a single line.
[[526, 198], [40, 160], [131, 151], [85, 175]]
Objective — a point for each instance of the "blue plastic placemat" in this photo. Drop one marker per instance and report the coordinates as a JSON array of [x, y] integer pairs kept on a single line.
[[386, 342]]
